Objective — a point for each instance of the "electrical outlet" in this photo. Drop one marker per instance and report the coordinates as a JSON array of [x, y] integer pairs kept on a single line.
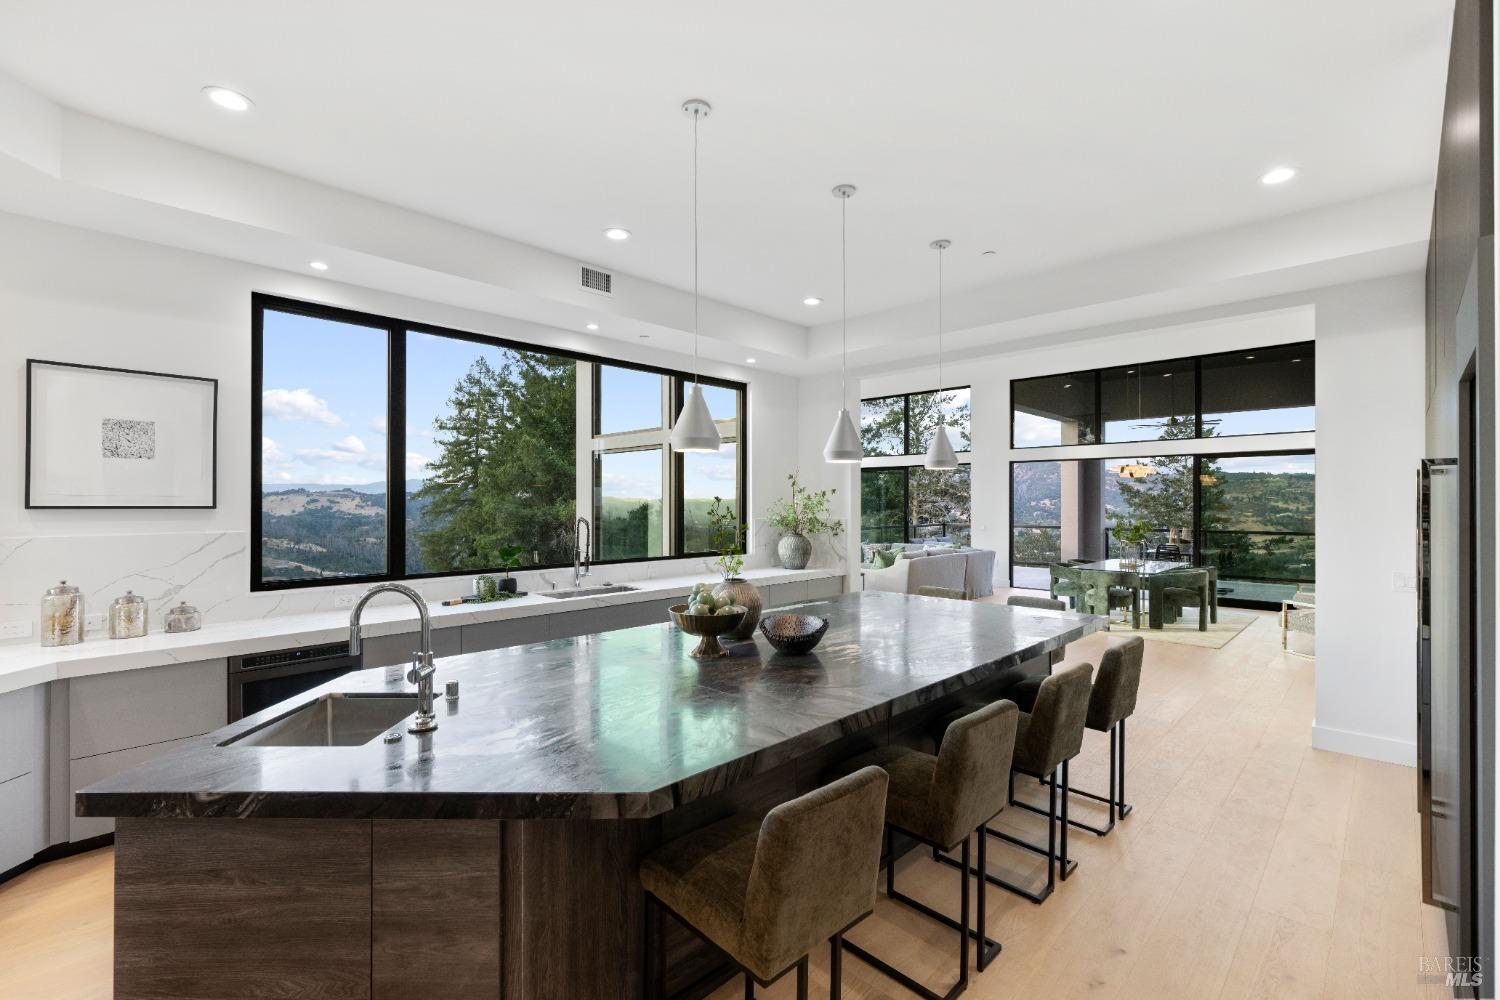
[[1403, 582], [15, 630], [344, 600], [96, 622]]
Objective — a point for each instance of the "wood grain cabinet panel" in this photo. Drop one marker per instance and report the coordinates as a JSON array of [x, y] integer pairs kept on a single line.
[[240, 910], [436, 897]]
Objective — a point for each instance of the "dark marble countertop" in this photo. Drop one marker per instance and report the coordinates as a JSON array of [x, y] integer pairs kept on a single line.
[[622, 724]]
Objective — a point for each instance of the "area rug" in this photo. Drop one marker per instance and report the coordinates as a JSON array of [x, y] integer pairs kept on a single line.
[[1185, 632]]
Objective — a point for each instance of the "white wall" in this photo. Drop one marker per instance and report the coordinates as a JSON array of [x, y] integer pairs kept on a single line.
[[1368, 442], [76, 295]]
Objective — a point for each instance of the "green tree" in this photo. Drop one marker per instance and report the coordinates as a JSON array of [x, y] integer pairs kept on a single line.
[[1164, 499], [883, 422], [505, 471]]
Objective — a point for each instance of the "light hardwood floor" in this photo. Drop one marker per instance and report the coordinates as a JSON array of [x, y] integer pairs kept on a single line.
[[1252, 866]]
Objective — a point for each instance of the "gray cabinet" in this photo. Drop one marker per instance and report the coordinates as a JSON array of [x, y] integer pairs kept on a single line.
[[391, 650], [85, 772], [133, 708], [509, 632], [21, 731], [23, 819]]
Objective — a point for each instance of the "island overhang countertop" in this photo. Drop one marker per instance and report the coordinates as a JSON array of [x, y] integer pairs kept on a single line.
[[621, 724]]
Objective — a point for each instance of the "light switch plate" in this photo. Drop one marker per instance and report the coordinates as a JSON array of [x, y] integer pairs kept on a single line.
[[15, 630], [1403, 582], [96, 622]]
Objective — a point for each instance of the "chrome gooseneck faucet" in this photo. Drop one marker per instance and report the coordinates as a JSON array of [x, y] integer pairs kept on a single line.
[[422, 670], [583, 547]]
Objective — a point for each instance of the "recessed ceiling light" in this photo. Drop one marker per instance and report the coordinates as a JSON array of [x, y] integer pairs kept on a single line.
[[1295, 360], [749, 361], [644, 336], [591, 326], [1278, 175], [988, 253], [317, 265], [616, 233], [1249, 357], [1167, 375], [1130, 371], [812, 300], [229, 100], [1067, 385]]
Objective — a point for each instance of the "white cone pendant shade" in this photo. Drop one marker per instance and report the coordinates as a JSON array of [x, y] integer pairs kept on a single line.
[[695, 429], [941, 454], [844, 444]]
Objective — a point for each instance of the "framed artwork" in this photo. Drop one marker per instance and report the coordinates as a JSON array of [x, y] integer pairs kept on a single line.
[[117, 438]]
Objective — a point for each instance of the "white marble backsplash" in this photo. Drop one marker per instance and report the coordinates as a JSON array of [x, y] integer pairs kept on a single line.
[[211, 570]]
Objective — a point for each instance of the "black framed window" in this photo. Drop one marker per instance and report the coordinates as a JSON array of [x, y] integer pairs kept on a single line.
[[1054, 410], [903, 425], [390, 450], [1267, 390], [913, 504]]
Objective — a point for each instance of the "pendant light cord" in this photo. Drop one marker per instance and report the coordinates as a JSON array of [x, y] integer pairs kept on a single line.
[[697, 366], [940, 326], [844, 298]]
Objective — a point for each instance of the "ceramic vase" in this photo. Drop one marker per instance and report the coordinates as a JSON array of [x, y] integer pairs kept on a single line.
[[795, 550], [743, 593]]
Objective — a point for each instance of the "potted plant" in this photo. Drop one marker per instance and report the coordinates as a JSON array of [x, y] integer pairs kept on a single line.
[[805, 513], [509, 558], [1131, 535], [728, 536]]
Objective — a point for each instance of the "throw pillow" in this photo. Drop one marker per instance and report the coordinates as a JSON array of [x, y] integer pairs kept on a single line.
[[884, 558]]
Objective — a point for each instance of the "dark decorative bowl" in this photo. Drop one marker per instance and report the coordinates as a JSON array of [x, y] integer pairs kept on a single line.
[[794, 634], [708, 628]]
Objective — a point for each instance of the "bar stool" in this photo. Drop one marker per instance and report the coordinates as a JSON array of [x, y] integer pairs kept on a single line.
[[1044, 604], [766, 892], [940, 802], [1111, 702], [1047, 738]]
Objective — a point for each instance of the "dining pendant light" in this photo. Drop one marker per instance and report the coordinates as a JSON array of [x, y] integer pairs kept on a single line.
[[940, 454], [844, 444], [695, 429]]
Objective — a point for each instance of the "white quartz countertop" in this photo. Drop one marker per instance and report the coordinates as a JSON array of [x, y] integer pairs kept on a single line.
[[389, 614]]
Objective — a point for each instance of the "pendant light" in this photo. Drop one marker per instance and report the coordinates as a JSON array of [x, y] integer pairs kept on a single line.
[[940, 455], [695, 429], [844, 444], [1136, 470]]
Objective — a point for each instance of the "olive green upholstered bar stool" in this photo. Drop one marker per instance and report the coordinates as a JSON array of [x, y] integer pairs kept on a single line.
[[947, 592], [1044, 604], [767, 892], [1047, 738], [942, 802], [1111, 702]]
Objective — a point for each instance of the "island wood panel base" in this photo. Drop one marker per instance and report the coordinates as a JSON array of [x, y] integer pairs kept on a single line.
[[462, 909]]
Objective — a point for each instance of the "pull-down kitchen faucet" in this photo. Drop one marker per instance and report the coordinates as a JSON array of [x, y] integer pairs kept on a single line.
[[422, 670], [583, 561]]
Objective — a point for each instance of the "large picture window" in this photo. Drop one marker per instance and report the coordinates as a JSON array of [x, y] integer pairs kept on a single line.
[[913, 504], [903, 425], [1266, 390], [389, 450]]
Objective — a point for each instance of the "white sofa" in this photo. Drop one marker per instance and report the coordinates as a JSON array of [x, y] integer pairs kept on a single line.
[[971, 571]]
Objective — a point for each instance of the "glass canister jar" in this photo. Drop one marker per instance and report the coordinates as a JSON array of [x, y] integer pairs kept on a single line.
[[127, 616], [62, 615], [183, 618]]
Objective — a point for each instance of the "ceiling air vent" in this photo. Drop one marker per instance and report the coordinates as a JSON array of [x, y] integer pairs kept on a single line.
[[594, 280]]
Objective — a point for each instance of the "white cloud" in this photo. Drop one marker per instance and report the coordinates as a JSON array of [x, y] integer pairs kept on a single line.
[[298, 404], [350, 444], [378, 425], [271, 453], [349, 450], [416, 463]]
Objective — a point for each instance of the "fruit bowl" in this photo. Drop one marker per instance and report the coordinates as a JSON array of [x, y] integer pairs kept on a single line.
[[794, 634], [708, 628]]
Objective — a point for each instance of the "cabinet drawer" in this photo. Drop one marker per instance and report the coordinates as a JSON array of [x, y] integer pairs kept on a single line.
[[83, 773], [20, 734], [390, 650], [828, 586], [22, 820], [134, 708], [511, 632]]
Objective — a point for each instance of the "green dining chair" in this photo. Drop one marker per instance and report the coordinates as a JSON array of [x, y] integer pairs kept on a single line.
[[1174, 591], [1108, 590], [1067, 582]]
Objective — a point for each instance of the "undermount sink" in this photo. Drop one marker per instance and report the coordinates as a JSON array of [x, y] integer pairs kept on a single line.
[[334, 720], [608, 588]]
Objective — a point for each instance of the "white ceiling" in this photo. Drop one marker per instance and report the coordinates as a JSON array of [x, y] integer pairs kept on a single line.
[[1046, 132]]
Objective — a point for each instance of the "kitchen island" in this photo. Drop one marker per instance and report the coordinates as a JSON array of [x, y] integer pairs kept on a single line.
[[496, 856]]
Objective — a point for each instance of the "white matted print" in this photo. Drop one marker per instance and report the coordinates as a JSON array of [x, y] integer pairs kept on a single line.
[[105, 437]]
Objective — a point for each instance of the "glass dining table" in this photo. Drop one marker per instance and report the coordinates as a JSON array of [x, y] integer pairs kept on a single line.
[[1143, 568]]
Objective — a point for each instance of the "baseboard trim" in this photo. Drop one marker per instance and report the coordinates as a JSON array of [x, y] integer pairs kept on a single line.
[[56, 852], [1365, 745]]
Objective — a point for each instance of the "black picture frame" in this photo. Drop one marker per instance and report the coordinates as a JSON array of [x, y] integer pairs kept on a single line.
[[29, 502]]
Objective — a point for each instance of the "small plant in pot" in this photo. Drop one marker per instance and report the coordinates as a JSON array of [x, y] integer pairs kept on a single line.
[[805, 513], [1132, 536], [509, 558], [728, 540]]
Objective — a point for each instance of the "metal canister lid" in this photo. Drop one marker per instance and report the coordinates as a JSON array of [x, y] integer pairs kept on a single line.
[[63, 589], [128, 598], [184, 608]]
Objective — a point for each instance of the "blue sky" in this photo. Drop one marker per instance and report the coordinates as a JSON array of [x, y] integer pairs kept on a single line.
[[323, 407]]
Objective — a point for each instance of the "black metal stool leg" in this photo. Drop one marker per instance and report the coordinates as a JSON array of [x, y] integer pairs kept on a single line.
[[749, 987], [836, 967], [1064, 824], [1121, 807], [655, 965], [802, 979]]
